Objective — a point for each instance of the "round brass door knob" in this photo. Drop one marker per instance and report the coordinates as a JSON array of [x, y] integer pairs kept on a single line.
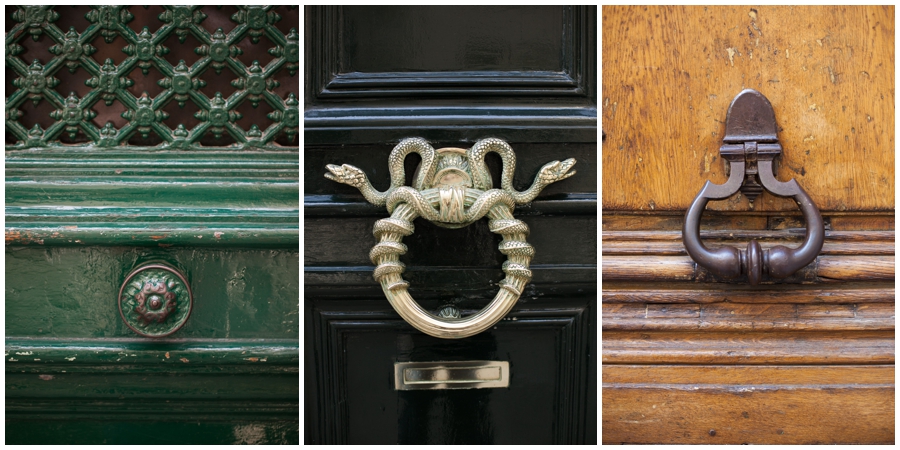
[[452, 188], [155, 300]]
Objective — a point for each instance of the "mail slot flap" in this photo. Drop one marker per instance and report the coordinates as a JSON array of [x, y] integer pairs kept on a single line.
[[451, 375]]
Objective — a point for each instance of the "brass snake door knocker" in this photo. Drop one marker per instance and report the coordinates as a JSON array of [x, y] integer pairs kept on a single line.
[[452, 189]]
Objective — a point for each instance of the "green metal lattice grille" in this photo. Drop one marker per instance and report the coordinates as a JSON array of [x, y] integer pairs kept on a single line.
[[216, 114]]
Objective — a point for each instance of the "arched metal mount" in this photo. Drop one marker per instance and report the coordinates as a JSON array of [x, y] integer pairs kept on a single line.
[[750, 147]]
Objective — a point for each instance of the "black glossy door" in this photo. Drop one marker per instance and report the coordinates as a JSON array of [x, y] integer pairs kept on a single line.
[[452, 75]]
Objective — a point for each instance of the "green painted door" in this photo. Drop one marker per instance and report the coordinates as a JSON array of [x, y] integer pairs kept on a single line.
[[152, 224]]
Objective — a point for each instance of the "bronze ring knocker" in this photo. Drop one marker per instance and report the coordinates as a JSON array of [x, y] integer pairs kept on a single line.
[[750, 147]]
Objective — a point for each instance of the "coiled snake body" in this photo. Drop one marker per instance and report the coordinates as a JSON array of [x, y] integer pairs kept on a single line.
[[481, 178], [467, 196]]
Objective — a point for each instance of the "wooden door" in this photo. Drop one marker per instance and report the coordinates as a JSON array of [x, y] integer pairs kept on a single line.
[[453, 76], [692, 358], [155, 146]]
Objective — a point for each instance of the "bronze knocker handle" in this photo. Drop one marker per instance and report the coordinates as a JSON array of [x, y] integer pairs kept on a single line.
[[777, 262]]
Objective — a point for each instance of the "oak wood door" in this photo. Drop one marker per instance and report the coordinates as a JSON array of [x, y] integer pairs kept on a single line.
[[453, 76], [692, 358]]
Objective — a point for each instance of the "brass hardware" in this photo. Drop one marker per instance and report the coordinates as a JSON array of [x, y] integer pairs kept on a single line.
[[411, 376], [155, 300], [449, 312], [750, 147], [452, 188]]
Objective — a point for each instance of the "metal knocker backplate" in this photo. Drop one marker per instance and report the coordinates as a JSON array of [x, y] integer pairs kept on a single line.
[[452, 188]]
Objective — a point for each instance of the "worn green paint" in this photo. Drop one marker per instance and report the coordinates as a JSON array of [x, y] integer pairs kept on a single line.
[[137, 430], [109, 82], [71, 292], [80, 217], [166, 355]]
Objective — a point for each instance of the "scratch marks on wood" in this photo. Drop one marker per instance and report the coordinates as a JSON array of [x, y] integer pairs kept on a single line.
[[731, 51], [753, 17], [831, 74]]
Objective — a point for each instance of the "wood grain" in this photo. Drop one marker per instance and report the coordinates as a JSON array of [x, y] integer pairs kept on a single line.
[[828, 268], [753, 375], [655, 268], [747, 316], [669, 74], [748, 347], [642, 247], [856, 268], [748, 405], [744, 294], [614, 220]]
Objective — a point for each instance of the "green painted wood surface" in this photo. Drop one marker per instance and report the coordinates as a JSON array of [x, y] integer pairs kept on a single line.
[[70, 292], [193, 171], [140, 431]]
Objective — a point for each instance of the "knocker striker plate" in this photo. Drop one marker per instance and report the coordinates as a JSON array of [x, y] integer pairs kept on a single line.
[[750, 147], [451, 188]]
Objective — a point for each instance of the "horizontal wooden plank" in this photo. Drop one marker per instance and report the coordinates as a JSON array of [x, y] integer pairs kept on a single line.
[[656, 268], [639, 247], [153, 191], [748, 405], [152, 226], [560, 123], [747, 316], [786, 376], [672, 220], [136, 177], [746, 235], [170, 356], [856, 268], [748, 347], [634, 221], [234, 422], [664, 293], [854, 222], [632, 268], [211, 385]]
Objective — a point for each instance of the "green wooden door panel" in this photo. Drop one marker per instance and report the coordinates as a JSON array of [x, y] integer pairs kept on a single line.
[[139, 431], [140, 134], [68, 292]]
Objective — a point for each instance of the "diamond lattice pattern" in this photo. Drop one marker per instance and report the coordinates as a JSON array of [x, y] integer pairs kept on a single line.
[[219, 52]]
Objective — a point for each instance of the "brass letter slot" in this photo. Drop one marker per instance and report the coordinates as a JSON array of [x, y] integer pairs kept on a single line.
[[410, 376]]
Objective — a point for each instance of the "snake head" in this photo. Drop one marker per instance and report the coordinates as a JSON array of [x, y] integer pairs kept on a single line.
[[346, 174], [555, 171]]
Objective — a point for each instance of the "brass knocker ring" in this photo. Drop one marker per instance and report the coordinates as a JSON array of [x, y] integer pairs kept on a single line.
[[452, 189]]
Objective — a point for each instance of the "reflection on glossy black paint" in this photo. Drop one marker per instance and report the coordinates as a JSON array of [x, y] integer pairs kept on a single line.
[[458, 416], [551, 397]]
